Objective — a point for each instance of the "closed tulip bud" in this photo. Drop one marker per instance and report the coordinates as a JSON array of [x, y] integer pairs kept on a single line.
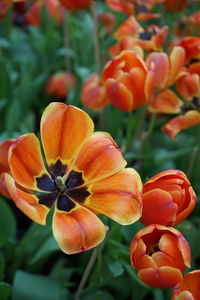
[[59, 84], [168, 198], [160, 254], [188, 288]]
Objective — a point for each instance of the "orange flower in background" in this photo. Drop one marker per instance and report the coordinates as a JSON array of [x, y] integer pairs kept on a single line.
[[188, 288], [126, 43], [75, 5], [175, 6], [160, 254], [108, 21], [128, 83], [4, 165], [85, 175], [168, 198], [149, 38], [179, 123], [93, 93], [188, 86], [4, 6], [191, 46], [142, 9], [168, 69], [59, 84], [54, 9]]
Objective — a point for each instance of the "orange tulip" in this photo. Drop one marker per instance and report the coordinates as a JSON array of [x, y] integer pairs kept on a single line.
[[75, 5], [188, 86], [126, 43], [135, 7], [175, 6], [150, 38], [188, 288], [167, 71], [191, 46], [4, 165], [160, 254], [177, 124], [55, 11], [94, 93], [4, 6], [59, 84], [108, 21], [84, 175], [128, 83], [168, 198]]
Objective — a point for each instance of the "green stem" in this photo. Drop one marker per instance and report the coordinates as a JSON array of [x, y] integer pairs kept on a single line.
[[96, 38], [86, 274], [66, 40], [193, 156]]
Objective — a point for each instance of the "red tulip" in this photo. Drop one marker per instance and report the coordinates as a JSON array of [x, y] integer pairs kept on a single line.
[[160, 254], [168, 198], [75, 4], [59, 84]]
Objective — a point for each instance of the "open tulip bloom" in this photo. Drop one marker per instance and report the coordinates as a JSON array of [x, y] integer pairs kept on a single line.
[[84, 174]]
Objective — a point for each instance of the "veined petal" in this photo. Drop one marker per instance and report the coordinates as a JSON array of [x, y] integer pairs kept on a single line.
[[26, 163], [177, 124], [117, 196], [77, 230], [26, 202], [98, 158], [64, 128]]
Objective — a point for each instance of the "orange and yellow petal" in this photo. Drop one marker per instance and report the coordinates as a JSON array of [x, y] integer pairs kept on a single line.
[[166, 102], [117, 196], [26, 163], [4, 148], [128, 28], [64, 129], [188, 86], [177, 60], [162, 278], [77, 230], [98, 158], [26, 202], [177, 124]]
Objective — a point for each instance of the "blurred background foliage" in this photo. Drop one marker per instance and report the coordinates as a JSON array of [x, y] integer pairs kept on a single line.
[[31, 265]]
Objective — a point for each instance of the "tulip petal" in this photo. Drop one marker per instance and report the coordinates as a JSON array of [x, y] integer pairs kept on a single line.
[[26, 202], [77, 230], [162, 278], [118, 197], [177, 59], [26, 163], [160, 63], [158, 207], [4, 148], [177, 124], [64, 129], [98, 158], [119, 95], [165, 102]]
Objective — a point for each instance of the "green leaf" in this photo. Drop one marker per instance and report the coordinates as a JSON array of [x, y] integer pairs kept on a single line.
[[5, 290], [7, 223], [2, 267], [115, 267], [36, 287]]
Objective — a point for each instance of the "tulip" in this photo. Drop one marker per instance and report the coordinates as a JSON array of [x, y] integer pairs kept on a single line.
[[94, 93], [128, 83], [160, 254], [168, 198], [75, 5], [55, 12], [176, 6], [59, 84], [188, 288], [177, 124], [191, 46]]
